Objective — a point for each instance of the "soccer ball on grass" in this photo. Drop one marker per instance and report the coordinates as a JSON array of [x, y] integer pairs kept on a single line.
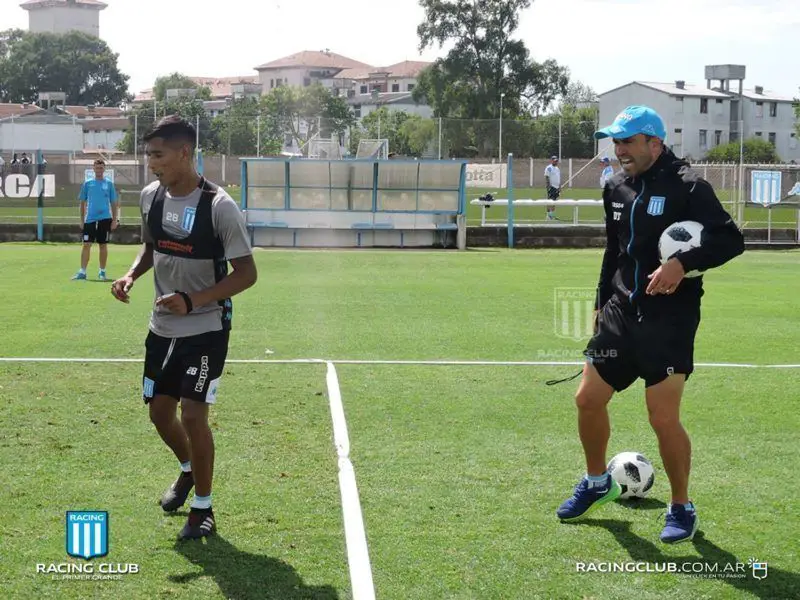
[[633, 472]]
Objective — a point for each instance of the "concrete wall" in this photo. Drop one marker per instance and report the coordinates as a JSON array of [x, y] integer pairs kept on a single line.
[[58, 19]]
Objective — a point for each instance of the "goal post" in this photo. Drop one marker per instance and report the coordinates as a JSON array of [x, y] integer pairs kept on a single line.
[[373, 148]]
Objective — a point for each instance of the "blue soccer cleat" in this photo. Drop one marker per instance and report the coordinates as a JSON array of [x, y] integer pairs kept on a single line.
[[79, 276], [681, 524], [586, 499]]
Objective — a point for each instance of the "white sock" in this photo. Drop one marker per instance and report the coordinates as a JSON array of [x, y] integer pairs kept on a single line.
[[186, 467], [202, 502]]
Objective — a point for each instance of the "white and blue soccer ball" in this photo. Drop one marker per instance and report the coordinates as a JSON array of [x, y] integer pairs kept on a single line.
[[680, 237], [634, 474]]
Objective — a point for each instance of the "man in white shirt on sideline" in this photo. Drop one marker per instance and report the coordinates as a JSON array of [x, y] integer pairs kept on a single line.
[[552, 178]]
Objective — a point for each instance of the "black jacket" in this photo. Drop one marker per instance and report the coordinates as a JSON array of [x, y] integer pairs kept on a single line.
[[633, 232]]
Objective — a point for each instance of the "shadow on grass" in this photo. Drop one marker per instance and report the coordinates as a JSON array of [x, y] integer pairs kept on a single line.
[[642, 504], [246, 576], [778, 585]]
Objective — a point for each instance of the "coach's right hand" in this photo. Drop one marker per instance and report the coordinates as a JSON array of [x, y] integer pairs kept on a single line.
[[121, 287]]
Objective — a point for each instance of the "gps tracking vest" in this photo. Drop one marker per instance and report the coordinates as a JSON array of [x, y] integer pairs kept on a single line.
[[201, 243]]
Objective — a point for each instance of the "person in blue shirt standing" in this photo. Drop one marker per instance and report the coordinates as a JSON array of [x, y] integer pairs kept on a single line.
[[608, 171], [98, 197]]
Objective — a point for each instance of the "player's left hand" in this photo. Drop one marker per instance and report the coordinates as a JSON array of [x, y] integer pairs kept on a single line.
[[174, 303], [114, 224], [666, 278]]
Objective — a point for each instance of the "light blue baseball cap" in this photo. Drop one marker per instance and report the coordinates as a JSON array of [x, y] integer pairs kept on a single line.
[[633, 120]]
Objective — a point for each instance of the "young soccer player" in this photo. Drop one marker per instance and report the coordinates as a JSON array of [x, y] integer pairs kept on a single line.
[[191, 230]]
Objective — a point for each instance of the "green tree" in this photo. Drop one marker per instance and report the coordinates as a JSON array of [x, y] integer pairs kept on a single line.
[[246, 129], [578, 93], [178, 81], [80, 65], [304, 112], [142, 121], [755, 150], [484, 62], [408, 134], [797, 116]]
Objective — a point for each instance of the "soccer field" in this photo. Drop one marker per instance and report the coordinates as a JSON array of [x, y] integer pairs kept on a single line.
[[461, 452]]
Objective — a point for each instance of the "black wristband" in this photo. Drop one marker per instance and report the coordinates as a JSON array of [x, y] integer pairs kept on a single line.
[[187, 300]]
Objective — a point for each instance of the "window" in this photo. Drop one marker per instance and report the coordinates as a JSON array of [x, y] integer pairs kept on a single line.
[[410, 87], [271, 83], [773, 109], [703, 139], [793, 140], [395, 87], [759, 110], [306, 81], [717, 137], [363, 90], [758, 134], [771, 137], [720, 107], [357, 111], [679, 106], [703, 106]]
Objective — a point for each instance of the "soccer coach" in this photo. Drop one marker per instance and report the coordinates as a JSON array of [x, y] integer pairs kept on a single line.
[[648, 312]]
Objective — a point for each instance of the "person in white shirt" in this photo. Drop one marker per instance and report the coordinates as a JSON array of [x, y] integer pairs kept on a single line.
[[608, 171], [552, 177]]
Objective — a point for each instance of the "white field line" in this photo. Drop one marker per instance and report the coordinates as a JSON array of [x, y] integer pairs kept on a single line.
[[486, 363], [355, 536]]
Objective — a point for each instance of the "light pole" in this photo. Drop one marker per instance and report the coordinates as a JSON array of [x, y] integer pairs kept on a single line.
[[500, 151]]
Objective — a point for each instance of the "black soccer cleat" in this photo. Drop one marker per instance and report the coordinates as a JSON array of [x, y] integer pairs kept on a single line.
[[200, 524], [176, 495]]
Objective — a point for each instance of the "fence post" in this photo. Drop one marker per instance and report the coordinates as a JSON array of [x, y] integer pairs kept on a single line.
[[531, 183], [510, 185], [40, 199], [570, 173]]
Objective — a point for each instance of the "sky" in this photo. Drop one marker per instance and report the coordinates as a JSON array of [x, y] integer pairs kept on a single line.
[[659, 40]]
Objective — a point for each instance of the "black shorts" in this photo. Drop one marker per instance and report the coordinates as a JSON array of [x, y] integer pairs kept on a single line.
[[627, 346], [188, 367], [97, 231], [553, 193]]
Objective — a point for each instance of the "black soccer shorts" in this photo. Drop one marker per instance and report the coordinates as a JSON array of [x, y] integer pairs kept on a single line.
[[627, 346], [188, 367], [97, 231], [553, 193]]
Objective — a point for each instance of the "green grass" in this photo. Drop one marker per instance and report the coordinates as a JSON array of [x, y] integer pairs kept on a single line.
[[64, 208], [459, 468]]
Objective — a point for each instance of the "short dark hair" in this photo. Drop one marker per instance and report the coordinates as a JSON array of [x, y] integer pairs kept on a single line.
[[99, 161], [173, 127]]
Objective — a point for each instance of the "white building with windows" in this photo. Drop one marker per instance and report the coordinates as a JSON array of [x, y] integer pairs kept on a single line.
[[365, 87], [699, 117]]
